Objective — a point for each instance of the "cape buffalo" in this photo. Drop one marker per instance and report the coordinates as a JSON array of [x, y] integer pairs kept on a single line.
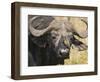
[[51, 37]]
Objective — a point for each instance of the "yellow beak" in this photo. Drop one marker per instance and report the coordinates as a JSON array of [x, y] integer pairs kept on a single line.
[[65, 42]]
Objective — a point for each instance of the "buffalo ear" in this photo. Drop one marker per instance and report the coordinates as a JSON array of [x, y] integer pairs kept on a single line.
[[80, 45]]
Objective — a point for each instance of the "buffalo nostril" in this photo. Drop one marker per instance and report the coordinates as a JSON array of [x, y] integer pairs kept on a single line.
[[63, 51]]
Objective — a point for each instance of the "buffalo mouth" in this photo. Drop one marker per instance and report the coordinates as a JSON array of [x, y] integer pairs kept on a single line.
[[63, 53]]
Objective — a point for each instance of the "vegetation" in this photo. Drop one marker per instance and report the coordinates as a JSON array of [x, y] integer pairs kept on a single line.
[[77, 57]]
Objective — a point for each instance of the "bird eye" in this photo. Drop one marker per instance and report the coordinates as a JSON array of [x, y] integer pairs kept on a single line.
[[53, 37]]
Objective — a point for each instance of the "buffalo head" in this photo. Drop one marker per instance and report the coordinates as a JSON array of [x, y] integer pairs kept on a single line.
[[57, 33]]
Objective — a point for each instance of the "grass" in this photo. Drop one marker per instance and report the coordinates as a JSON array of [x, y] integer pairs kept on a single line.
[[77, 57]]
